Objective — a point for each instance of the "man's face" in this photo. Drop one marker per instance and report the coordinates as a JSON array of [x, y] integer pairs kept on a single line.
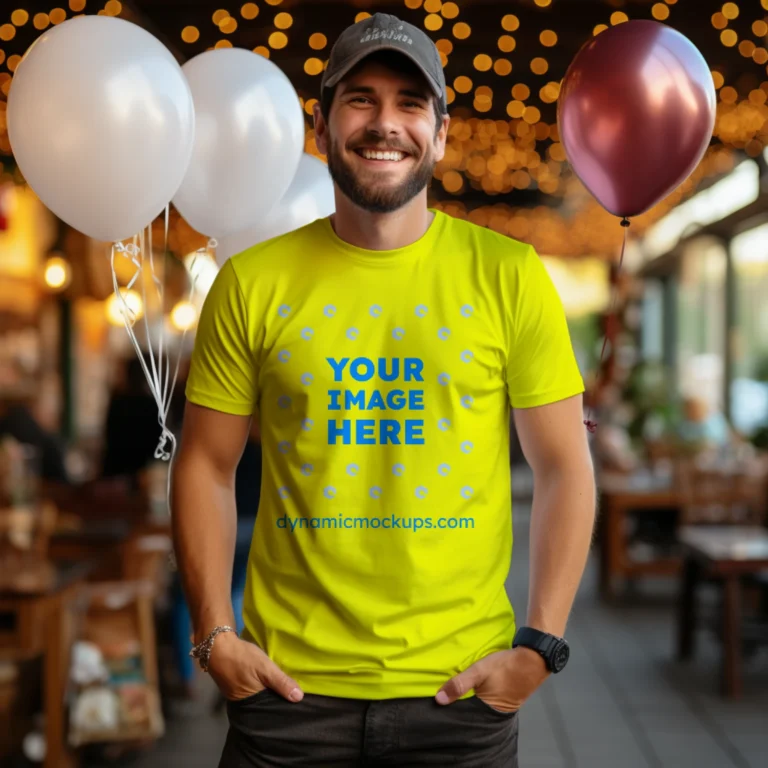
[[381, 139]]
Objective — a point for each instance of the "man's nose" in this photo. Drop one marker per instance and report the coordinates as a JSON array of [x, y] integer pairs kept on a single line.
[[384, 122]]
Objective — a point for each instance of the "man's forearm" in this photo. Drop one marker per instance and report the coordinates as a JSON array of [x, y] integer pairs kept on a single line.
[[562, 520], [204, 519]]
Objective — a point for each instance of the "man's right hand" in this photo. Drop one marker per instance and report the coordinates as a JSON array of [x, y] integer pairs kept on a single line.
[[241, 669]]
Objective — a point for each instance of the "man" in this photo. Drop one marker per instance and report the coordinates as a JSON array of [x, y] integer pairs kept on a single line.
[[382, 348]]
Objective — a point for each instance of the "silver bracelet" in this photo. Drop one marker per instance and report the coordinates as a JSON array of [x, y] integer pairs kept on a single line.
[[202, 651]]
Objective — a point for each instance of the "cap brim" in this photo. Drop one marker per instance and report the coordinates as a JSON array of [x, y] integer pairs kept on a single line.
[[384, 46]]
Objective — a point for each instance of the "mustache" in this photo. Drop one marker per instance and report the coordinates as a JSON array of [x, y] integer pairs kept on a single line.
[[376, 143]]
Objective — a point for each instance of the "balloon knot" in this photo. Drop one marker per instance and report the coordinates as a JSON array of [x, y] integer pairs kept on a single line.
[[625, 222], [591, 426], [160, 451]]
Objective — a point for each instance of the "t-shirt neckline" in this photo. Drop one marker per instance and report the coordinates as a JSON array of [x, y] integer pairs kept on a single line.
[[387, 258]]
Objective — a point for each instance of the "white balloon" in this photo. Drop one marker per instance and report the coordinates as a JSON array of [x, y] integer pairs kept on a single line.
[[101, 122], [309, 197], [248, 142]]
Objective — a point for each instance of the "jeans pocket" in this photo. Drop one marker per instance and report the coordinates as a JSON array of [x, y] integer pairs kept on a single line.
[[488, 708], [249, 699]]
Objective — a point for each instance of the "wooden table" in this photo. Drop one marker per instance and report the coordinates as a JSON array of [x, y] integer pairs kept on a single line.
[[43, 610], [726, 553], [619, 494]]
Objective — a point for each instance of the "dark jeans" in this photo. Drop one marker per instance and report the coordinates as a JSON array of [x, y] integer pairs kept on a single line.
[[330, 732]]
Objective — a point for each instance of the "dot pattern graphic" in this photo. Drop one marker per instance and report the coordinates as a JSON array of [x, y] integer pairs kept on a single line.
[[398, 333]]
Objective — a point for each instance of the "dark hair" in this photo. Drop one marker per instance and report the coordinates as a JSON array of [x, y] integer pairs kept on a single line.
[[397, 62]]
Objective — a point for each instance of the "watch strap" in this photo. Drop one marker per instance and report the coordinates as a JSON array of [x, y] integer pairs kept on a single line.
[[541, 642]]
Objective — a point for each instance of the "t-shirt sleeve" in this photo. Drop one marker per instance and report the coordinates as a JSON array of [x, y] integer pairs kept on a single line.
[[224, 372], [541, 364]]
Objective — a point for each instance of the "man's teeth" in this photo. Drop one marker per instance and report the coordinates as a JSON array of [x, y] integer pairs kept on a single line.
[[370, 154]]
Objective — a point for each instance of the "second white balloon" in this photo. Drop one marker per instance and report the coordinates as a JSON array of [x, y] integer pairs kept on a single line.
[[249, 139]]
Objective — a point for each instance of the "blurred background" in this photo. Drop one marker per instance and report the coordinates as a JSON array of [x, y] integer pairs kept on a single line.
[[669, 635]]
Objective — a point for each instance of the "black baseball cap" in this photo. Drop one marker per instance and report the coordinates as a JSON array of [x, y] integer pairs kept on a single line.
[[384, 32]]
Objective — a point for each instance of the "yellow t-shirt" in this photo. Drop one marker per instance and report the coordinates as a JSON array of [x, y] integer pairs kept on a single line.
[[383, 382]]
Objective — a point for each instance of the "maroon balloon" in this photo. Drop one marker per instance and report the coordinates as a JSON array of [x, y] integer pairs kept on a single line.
[[636, 114]]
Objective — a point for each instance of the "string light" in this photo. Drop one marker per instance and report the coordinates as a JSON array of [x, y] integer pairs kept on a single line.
[[190, 34], [7, 32], [760, 28], [548, 38], [283, 20], [112, 8], [521, 92], [278, 40], [747, 48], [599, 28], [413, 4], [444, 46], [274, 2], [433, 22], [729, 38], [619, 17], [507, 43], [461, 31], [224, 44], [433, 6], [228, 26], [317, 41], [539, 66], [184, 316], [13, 62], [219, 16], [19, 17], [510, 23], [760, 56], [719, 21], [543, 3], [450, 95], [660, 11], [76, 5], [362, 16], [483, 62], [718, 80], [502, 67], [313, 66], [59, 15], [730, 11], [462, 84], [310, 106], [262, 51], [449, 10], [58, 273], [249, 11], [41, 21]]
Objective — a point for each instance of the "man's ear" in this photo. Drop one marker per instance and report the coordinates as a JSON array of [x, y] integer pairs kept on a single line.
[[441, 138], [321, 129]]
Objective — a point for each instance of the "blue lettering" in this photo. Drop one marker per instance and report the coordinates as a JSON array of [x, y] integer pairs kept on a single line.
[[335, 394], [352, 399], [389, 431], [413, 367], [367, 366], [365, 432], [334, 431], [415, 400], [394, 374], [413, 435], [338, 367]]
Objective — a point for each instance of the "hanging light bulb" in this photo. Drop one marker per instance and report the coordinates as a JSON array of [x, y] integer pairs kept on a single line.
[[116, 310], [184, 316], [58, 273]]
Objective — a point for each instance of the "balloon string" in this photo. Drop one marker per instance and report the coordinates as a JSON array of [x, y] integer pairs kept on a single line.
[[589, 423]]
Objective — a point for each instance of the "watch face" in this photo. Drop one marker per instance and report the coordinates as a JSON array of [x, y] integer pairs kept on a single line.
[[560, 656]]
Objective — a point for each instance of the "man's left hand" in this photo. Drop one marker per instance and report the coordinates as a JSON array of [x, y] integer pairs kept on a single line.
[[504, 679]]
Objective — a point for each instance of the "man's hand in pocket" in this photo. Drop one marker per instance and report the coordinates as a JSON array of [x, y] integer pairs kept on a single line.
[[504, 679], [241, 669]]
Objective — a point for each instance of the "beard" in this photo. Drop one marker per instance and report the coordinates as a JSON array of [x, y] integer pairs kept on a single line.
[[376, 197]]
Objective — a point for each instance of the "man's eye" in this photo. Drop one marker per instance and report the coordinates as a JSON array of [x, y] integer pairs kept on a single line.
[[360, 99], [416, 104]]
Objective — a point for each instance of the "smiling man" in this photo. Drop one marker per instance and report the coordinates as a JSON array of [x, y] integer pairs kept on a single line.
[[381, 350]]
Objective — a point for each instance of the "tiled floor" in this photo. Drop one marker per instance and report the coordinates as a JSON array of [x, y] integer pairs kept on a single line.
[[622, 702]]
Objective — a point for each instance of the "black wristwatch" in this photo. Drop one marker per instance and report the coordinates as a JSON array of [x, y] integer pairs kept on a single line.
[[554, 650]]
